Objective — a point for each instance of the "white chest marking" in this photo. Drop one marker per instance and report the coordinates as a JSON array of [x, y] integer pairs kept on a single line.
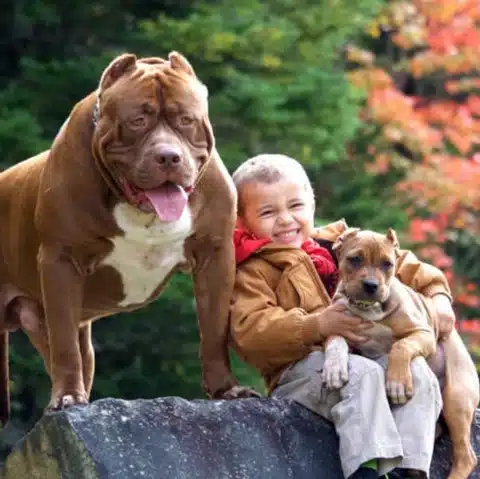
[[147, 252]]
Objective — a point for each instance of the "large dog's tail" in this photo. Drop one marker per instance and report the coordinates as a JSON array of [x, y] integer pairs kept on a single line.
[[4, 379]]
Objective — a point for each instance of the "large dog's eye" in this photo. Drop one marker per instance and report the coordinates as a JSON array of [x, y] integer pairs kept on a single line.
[[186, 120], [138, 122], [355, 261]]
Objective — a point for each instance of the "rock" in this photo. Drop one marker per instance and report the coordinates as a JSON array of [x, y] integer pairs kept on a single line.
[[174, 438]]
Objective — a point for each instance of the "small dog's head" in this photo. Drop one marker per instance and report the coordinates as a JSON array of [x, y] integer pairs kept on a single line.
[[366, 264]]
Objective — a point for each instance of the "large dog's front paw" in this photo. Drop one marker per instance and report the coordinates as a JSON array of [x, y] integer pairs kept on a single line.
[[64, 401], [399, 384], [239, 392], [335, 373]]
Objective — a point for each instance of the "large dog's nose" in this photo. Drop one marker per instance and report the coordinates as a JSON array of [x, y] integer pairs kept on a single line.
[[169, 156], [370, 286]]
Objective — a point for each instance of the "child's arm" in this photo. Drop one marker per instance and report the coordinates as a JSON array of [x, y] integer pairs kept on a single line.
[[431, 282], [264, 333], [268, 336]]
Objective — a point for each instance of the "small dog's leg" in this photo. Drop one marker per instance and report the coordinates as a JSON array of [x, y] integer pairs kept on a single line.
[[399, 379], [460, 399], [335, 369]]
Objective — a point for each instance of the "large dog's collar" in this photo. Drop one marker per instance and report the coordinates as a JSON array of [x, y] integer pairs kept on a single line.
[[96, 111]]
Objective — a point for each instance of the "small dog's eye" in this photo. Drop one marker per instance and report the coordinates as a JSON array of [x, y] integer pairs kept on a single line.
[[355, 260], [387, 264]]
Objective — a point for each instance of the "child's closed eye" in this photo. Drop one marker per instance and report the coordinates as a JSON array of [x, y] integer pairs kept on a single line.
[[265, 213], [297, 204]]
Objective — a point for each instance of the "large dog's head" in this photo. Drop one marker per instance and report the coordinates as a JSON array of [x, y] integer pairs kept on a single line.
[[366, 263], [152, 134]]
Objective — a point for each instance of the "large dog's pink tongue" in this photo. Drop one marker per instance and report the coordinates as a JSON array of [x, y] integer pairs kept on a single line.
[[169, 200]]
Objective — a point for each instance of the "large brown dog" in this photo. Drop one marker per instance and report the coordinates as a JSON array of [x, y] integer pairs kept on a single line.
[[404, 327], [131, 191]]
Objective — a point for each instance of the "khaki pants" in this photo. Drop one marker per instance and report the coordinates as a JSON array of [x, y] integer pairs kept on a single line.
[[368, 427]]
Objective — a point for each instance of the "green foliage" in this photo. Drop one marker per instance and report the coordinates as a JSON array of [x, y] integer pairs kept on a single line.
[[345, 191], [273, 71]]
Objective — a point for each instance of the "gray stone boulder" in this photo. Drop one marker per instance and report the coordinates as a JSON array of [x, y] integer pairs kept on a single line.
[[173, 438]]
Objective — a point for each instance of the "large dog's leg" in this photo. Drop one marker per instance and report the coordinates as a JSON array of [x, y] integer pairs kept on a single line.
[[213, 282], [88, 356], [4, 379], [460, 399], [62, 291]]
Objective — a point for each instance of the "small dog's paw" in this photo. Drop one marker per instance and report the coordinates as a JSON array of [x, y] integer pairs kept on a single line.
[[335, 374], [399, 387], [59, 402], [239, 392]]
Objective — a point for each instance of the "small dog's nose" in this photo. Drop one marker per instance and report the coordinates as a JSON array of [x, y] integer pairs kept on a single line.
[[169, 156], [370, 286]]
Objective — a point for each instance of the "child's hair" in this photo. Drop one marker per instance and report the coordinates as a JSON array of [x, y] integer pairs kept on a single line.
[[269, 168]]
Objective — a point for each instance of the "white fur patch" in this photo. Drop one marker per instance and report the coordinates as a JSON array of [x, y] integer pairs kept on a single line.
[[147, 252], [335, 367]]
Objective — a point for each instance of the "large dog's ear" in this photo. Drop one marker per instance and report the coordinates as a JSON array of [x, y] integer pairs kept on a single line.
[[392, 237], [180, 63], [118, 67], [345, 236]]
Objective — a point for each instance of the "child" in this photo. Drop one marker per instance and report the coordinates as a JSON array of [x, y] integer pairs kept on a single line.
[[281, 314]]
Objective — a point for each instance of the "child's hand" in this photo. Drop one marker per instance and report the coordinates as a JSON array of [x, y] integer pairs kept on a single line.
[[446, 316], [333, 321]]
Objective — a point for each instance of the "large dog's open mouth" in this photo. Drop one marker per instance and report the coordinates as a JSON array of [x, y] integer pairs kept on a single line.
[[167, 200]]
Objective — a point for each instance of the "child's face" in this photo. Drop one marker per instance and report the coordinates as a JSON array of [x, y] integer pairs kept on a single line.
[[281, 211]]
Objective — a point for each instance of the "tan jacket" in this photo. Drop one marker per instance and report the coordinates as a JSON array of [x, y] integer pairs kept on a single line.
[[276, 291]]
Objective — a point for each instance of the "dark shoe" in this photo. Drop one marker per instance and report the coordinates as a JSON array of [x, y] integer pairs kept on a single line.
[[393, 475], [400, 473], [364, 473]]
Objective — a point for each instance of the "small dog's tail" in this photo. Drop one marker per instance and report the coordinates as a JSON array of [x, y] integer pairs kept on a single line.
[[4, 379]]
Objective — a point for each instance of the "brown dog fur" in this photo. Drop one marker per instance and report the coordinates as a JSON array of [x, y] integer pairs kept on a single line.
[[404, 312], [63, 215]]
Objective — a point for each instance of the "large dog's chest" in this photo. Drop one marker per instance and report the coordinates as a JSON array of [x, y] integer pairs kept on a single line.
[[147, 252]]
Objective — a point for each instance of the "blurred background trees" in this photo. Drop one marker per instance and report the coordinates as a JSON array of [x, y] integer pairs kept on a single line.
[[378, 99]]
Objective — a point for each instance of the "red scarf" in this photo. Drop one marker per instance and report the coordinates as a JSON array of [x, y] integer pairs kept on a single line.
[[246, 244]]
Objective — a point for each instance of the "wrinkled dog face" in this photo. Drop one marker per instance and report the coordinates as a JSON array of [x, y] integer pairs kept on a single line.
[[153, 133], [366, 264]]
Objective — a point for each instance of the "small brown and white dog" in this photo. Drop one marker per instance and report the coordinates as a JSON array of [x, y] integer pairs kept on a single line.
[[405, 326]]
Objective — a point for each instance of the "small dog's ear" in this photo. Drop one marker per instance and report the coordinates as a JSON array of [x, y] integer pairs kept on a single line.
[[392, 237], [340, 241]]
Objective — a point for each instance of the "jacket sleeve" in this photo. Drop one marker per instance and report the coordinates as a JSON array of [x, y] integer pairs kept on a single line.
[[266, 335], [422, 277]]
